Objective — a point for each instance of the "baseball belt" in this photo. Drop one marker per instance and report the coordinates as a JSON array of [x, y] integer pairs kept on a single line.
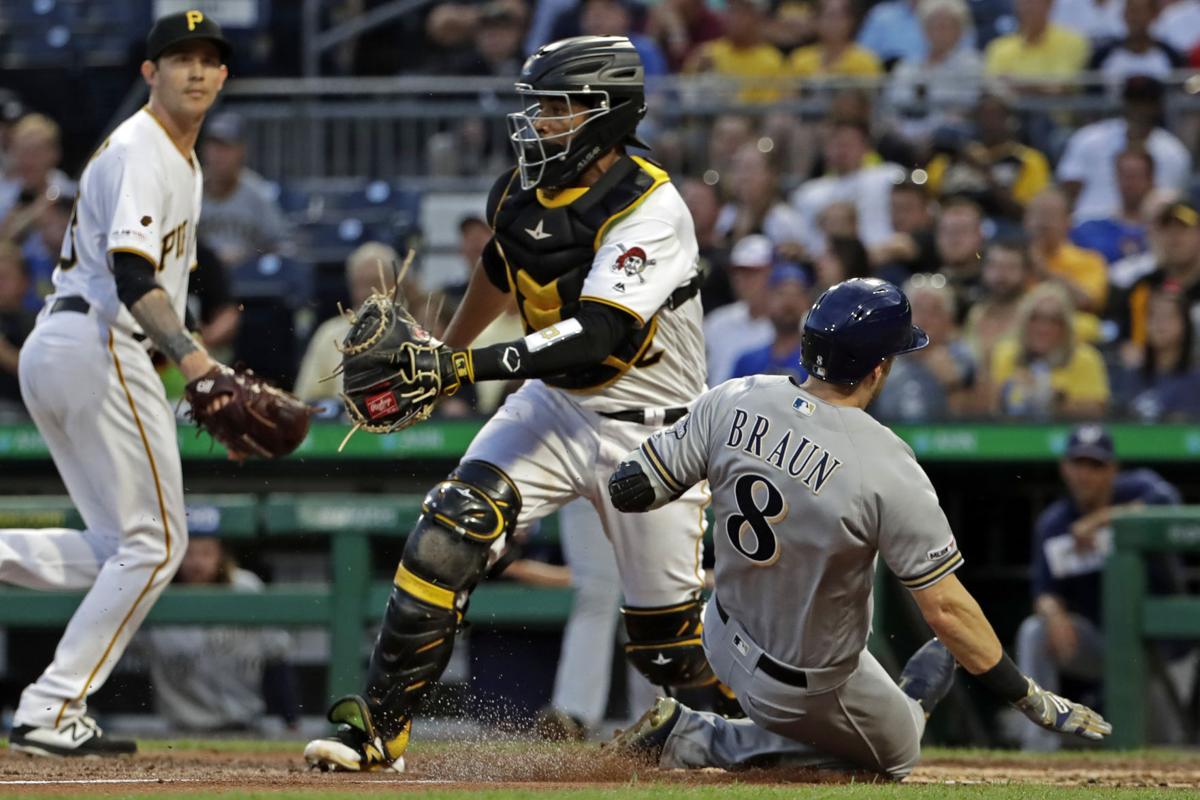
[[81, 306], [776, 669], [648, 416]]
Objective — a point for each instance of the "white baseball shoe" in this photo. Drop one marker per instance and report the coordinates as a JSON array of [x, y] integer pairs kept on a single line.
[[77, 738]]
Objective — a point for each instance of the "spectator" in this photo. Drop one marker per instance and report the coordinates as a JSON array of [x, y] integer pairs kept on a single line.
[[1123, 274], [239, 219], [1082, 272], [757, 206], [849, 178], [741, 325], [1006, 276], [1095, 20], [42, 248], [787, 304], [942, 83], [11, 111], [1178, 262], [728, 135], [996, 170], [681, 27], [743, 53], [845, 258], [1039, 49], [912, 248], [1137, 52], [1178, 25], [959, 241], [209, 300], [835, 53], [495, 45], [213, 679], [1087, 169], [701, 199], [33, 180], [1162, 385], [936, 383], [892, 30], [1123, 234], [1043, 370], [1071, 541], [16, 322], [321, 359], [615, 18]]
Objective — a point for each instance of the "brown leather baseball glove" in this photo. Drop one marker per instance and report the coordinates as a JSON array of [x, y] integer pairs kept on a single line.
[[258, 419]]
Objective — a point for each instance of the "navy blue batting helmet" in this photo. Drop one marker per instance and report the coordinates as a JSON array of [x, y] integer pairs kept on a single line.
[[854, 326]]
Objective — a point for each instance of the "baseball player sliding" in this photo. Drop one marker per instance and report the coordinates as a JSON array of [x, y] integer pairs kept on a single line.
[[599, 251], [88, 381], [808, 489]]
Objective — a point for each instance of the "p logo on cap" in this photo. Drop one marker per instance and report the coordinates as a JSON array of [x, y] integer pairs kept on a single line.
[[194, 18]]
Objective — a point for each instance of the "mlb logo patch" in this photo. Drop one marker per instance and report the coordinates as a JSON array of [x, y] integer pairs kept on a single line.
[[381, 405], [740, 645], [803, 407]]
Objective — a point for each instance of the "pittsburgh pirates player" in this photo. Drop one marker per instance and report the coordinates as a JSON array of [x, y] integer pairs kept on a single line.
[[599, 250], [808, 490], [87, 379]]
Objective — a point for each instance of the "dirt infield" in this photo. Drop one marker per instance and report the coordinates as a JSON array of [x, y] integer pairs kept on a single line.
[[535, 766]]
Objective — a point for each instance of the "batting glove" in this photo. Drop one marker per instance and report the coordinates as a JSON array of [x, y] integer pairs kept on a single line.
[[1059, 714]]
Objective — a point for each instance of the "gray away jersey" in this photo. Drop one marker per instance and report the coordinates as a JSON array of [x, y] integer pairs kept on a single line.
[[805, 494]]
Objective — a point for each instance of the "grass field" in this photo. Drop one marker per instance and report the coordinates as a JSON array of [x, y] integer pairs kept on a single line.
[[507, 770]]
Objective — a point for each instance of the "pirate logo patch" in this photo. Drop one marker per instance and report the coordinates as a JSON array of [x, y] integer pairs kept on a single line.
[[633, 262]]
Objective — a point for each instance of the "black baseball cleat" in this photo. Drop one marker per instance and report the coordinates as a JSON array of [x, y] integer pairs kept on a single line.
[[78, 738], [928, 675], [646, 738]]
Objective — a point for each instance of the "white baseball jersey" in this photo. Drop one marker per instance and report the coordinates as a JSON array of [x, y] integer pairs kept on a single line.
[[805, 494], [139, 194], [641, 260]]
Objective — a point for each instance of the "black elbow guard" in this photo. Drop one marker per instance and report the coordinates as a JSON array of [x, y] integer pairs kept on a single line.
[[630, 488], [134, 276]]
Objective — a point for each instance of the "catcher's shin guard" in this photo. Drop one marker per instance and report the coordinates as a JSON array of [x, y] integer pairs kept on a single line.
[[444, 558], [664, 645]]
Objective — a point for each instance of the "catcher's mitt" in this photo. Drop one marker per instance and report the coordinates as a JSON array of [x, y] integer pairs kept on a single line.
[[258, 419], [393, 370]]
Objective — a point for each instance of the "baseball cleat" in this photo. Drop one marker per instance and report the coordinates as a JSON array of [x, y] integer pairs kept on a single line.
[[355, 746], [78, 738], [928, 675], [647, 737]]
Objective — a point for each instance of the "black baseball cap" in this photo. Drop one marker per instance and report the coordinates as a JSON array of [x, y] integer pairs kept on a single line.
[[1092, 442], [183, 27]]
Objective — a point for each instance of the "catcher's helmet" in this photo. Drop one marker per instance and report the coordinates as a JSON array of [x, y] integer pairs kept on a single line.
[[602, 77], [854, 326]]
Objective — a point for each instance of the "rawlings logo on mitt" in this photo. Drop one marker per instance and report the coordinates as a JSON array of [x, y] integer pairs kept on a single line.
[[257, 419]]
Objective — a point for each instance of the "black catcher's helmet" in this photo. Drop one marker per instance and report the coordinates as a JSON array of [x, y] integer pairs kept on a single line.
[[601, 81]]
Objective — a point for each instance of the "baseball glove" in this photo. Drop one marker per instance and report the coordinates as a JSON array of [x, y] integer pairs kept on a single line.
[[258, 419], [393, 370]]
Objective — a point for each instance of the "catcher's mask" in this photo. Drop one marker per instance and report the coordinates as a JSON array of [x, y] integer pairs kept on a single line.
[[591, 87]]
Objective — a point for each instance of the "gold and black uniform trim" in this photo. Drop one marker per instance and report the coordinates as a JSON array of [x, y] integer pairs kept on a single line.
[[543, 247]]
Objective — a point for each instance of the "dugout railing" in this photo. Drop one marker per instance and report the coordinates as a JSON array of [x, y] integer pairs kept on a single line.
[[1133, 618]]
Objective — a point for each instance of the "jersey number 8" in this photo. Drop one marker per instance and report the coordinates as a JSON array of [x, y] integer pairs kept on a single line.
[[754, 518]]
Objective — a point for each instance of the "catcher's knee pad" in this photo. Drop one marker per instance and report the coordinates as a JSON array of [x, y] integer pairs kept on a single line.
[[444, 558], [664, 644]]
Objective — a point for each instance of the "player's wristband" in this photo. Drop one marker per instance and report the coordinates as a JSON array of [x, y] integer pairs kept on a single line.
[[1005, 680]]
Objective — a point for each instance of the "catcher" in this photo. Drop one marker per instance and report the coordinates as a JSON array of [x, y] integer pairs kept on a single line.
[[598, 249]]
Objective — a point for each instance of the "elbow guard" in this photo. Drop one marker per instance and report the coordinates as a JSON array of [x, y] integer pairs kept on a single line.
[[630, 488], [134, 276]]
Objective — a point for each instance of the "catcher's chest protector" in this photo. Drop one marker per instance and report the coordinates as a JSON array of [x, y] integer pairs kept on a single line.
[[548, 246]]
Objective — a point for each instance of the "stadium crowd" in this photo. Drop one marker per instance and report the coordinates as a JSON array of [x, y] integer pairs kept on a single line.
[[1057, 269]]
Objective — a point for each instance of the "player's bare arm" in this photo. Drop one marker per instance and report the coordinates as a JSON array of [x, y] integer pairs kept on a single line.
[[959, 623], [480, 306]]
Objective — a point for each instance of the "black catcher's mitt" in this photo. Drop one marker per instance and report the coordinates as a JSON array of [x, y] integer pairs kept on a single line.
[[393, 370]]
